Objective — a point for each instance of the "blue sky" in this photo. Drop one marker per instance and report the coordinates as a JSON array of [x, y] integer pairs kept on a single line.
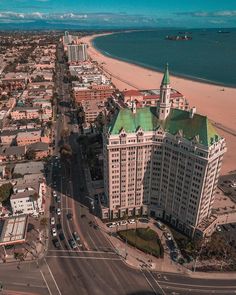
[[157, 13]]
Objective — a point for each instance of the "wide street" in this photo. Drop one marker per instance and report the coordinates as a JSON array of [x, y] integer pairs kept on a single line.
[[94, 267]]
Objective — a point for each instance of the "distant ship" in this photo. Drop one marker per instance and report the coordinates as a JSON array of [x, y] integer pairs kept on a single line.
[[185, 33], [178, 38], [223, 32]]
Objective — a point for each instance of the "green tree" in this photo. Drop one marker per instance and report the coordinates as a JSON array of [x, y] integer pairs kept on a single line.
[[66, 151], [5, 191], [44, 221], [30, 155]]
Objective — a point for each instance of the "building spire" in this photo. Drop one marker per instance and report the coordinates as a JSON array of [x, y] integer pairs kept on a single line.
[[164, 105], [166, 77]]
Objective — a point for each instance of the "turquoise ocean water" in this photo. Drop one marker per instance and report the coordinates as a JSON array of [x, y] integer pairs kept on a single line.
[[210, 56]]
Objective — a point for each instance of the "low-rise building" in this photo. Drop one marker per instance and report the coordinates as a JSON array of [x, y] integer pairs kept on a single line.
[[28, 137], [28, 199]]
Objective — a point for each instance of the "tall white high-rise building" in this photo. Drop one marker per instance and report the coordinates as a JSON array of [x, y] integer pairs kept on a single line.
[[162, 161], [77, 52]]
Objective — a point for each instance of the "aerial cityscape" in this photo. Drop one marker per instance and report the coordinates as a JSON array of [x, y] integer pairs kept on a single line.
[[117, 147]]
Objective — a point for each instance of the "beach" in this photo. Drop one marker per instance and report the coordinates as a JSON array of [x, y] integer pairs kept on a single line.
[[217, 102]]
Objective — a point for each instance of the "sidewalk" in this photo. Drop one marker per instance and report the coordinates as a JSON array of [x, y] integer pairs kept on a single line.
[[138, 259]]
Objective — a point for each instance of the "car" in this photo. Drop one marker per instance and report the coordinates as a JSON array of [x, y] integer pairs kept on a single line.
[[131, 221], [225, 227], [61, 236], [52, 209], [112, 224], [56, 243], [77, 238], [54, 194], [73, 244], [218, 228], [160, 225], [52, 221], [58, 211], [69, 216], [54, 232], [59, 227], [144, 220], [123, 222], [168, 236], [58, 199]]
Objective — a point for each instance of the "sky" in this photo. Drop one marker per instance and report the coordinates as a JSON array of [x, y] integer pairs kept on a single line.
[[121, 13]]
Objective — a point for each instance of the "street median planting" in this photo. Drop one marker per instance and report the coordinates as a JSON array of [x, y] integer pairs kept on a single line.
[[144, 239]]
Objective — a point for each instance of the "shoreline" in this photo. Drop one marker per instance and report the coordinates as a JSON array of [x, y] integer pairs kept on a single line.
[[209, 99], [148, 67]]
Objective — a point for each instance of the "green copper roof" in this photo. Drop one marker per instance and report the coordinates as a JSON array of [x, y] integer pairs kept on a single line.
[[197, 127], [166, 77]]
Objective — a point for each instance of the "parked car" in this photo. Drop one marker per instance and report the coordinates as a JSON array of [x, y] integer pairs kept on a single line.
[[59, 226], [69, 216], [52, 209], [58, 211], [61, 236], [54, 194], [144, 220], [73, 244], [54, 232], [112, 224], [58, 199], [77, 238], [160, 225], [168, 236], [56, 243], [52, 221], [218, 228], [131, 221]]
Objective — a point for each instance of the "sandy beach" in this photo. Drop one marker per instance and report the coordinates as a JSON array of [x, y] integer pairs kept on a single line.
[[217, 102]]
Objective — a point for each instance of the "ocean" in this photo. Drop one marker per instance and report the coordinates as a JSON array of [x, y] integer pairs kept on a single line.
[[209, 57]]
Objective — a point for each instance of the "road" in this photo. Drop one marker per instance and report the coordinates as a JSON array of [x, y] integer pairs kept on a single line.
[[94, 267]]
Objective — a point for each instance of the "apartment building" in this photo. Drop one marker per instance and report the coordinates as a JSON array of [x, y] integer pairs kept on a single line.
[[162, 161], [151, 97], [77, 52], [94, 92], [28, 199]]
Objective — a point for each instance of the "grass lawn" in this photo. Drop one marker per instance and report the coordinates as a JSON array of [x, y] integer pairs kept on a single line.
[[144, 239]]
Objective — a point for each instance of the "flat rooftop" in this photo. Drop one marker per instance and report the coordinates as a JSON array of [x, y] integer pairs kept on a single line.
[[13, 230]]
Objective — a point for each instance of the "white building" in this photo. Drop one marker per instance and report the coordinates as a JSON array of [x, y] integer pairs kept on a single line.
[[77, 52], [162, 161], [28, 199]]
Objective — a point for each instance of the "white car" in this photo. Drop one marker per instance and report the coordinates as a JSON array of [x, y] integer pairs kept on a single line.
[[168, 236], [54, 232], [58, 211], [132, 221], [112, 224], [54, 194], [218, 228], [52, 220]]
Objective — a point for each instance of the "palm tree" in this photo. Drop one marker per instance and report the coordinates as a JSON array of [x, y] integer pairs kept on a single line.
[[125, 216], [136, 221]]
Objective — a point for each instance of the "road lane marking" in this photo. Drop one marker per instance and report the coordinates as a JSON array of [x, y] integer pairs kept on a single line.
[[201, 286], [84, 257], [157, 283], [149, 283], [53, 277], [45, 282], [84, 251]]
